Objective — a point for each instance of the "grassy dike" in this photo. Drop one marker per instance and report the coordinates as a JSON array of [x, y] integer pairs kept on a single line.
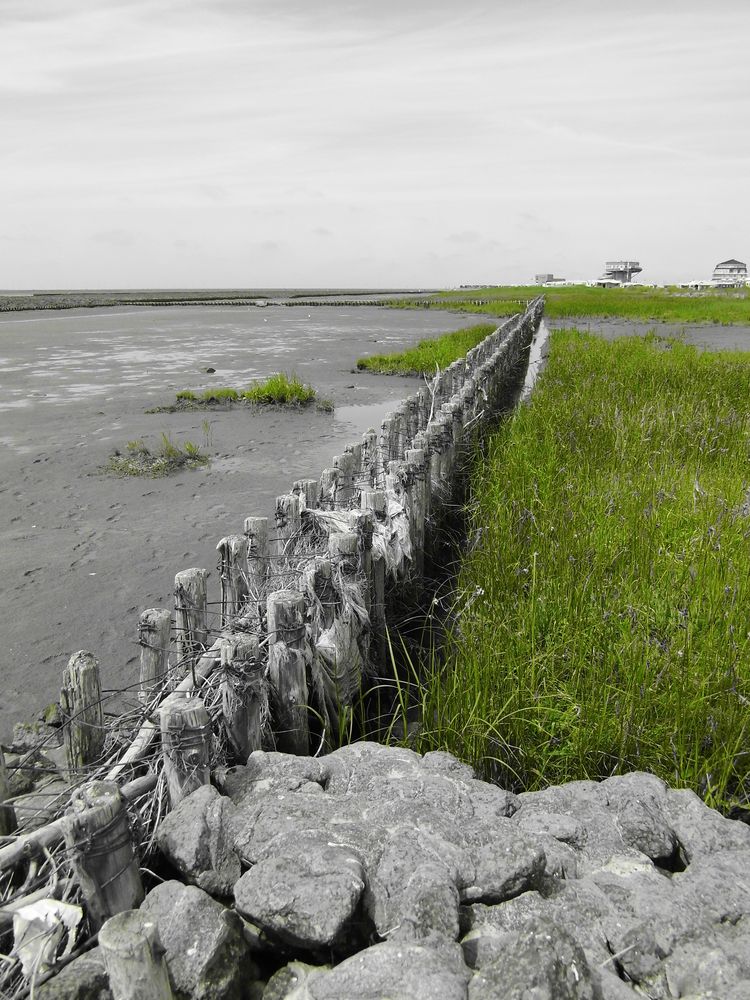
[[669, 305], [602, 619], [429, 354]]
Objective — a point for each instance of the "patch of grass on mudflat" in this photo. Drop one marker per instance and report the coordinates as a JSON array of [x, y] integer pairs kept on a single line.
[[670, 305], [427, 355], [167, 458], [280, 389], [603, 619]]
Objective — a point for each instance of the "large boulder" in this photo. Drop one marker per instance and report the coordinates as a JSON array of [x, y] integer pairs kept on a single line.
[[84, 979], [204, 946]]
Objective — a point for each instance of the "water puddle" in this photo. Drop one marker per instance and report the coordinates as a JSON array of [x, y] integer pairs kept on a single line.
[[365, 415]]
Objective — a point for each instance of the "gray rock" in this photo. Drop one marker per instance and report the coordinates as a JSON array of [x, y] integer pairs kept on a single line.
[[701, 830], [507, 861], [292, 982], [205, 951], [542, 961], [84, 979], [394, 971], [198, 839], [306, 899], [639, 803], [269, 772]]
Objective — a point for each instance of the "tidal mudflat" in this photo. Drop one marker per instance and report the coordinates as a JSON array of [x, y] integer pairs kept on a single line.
[[83, 552]]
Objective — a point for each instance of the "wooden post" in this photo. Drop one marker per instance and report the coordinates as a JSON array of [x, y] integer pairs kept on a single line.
[[386, 441], [258, 555], [288, 523], [369, 457], [329, 481], [7, 814], [374, 500], [100, 845], [186, 747], [190, 615], [287, 669], [134, 957], [307, 491], [355, 450], [233, 571], [345, 465], [81, 703], [154, 628], [243, 694], [319, 587], [415, 460]]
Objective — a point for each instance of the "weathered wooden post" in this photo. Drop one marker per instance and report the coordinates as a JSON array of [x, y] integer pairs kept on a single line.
[[190, 615], [258, 554], [355, 450], [374, 501], [307, 491], [387, 438], [329, 482], [101, 848], [415, 460], [345, 465], [81, 704], [233, 569], [154, 629], [7, 814], [134, 957], [243, 696], [369, 458], [288, 523], [287, 669], [186, 746]]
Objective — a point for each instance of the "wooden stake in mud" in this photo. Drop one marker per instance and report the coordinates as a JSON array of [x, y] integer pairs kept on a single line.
[[7, 815], [415, 460], [81, 703], [258, 554], [346, 491], [190, 615], [154, 627], [329, 482], [243, 693], [369, 458], [186, 747], [374, 500], [287, 670], [134, 957], [233, 569], [288, 522], [101, 847], [307, 491]]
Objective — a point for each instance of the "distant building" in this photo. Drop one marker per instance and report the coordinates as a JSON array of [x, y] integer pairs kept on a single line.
[[622, 270], [542, 279], [730, 274]]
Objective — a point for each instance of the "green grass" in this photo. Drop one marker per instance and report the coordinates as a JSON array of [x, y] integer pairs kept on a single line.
[[167, 458], [670, 305], [427, 355], [280, 389], [603, 619]]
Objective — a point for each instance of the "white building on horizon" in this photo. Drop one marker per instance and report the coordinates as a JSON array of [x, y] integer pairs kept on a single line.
[[730, 274]]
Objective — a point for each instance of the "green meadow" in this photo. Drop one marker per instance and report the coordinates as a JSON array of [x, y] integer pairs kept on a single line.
[[601, 616], [428, 355], [669, 305]]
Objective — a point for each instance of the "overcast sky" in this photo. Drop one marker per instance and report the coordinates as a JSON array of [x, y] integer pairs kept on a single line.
[[234, 143]]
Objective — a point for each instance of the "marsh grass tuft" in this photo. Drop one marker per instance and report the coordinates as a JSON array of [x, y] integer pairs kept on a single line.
[[602, 622], [139, 459], [280, 389], [428, 354]]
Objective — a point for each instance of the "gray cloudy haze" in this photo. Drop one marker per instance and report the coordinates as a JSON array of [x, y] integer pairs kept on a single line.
[[237, 143]]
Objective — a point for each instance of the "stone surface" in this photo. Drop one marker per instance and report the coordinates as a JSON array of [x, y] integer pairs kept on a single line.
[[307, 899], [206, 953], [84, 979], [198, 839], [588, 890]]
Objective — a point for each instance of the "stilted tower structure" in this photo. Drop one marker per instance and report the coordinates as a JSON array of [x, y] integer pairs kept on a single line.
[[622, 270]]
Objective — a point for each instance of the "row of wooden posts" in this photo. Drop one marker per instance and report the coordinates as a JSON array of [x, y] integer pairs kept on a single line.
[[335, 544]]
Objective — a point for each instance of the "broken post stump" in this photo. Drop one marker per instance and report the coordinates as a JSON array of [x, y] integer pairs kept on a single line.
[[186, 746], [288, 670], [154, 629], [81, 704], [102, 851], [7, 814], [233, 569], [134, 957], [243, 693], [258, 555], [307, 491], [190, 615], [288, 523], [374, 500]]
